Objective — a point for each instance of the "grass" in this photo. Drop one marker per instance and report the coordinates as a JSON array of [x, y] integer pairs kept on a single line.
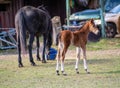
[[105, 70], [103, 44]]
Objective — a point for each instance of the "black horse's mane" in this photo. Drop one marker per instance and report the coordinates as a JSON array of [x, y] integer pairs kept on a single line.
[[43, 8]]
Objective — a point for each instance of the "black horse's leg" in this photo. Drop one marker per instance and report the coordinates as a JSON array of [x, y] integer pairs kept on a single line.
[[44, 48], [19, 53], [30, 49], [38, 46]]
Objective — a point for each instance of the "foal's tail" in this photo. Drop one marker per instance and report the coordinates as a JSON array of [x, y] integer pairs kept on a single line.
[[57, 38], [21, 31]]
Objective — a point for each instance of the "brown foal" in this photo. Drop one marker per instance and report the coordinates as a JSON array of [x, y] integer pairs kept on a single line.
[[77, 38]]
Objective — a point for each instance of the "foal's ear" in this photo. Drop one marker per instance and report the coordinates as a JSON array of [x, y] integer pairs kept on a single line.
[[92, 20]]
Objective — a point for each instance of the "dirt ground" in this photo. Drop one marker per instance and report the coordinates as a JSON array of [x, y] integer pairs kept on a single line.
[[97, 53], [72, 53]]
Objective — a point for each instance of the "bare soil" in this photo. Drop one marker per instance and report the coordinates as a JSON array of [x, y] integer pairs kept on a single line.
[[97, 53]]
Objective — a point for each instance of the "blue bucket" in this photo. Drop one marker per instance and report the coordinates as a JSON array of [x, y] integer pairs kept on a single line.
[[52, 54]]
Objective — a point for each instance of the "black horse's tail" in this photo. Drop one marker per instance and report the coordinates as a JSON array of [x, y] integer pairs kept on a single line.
[[22, 31], [49, 41], [57, 38]]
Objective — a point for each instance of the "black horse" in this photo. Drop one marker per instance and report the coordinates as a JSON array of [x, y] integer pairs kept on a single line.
[[35, 22]]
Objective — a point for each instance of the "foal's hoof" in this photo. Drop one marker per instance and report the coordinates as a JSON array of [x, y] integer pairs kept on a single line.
[[57, 72], [77, 72], [87, 71], [63, 73], [44, 61]]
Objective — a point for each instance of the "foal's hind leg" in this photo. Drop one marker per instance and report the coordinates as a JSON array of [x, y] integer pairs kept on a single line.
[[63, 58], [58, 61], [30, 49], [38, 46], [77, 59]]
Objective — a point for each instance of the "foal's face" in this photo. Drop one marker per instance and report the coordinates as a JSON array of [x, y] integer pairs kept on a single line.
[[92, 27]]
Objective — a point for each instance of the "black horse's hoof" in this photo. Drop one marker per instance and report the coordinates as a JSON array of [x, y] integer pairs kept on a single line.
[[33, 64], [20, 65], [38, 58], [44, 61]]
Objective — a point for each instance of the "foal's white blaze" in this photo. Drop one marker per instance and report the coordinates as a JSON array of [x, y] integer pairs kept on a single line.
[[96, 32], [77, 57]]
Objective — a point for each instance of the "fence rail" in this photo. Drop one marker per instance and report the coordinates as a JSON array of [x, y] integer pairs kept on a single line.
[[7, 38]]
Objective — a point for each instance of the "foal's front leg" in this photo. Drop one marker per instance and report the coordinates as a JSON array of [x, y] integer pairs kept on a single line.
[[30, 49], [85, 59]]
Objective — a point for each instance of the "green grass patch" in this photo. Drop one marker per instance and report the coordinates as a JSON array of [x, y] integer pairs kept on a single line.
[[104, 68], [105, 73], [104, 44]]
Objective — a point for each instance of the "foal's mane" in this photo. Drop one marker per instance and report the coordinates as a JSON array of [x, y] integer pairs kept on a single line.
[[81, 29], [82, 26]]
